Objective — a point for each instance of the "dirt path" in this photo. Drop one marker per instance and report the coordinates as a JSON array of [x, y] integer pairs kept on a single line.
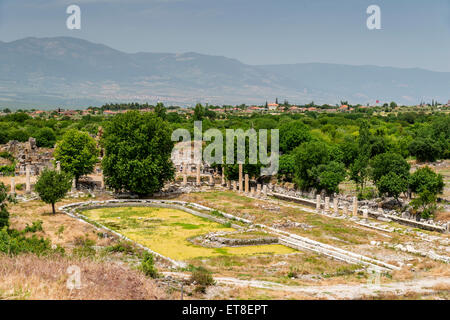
[[339, 291]]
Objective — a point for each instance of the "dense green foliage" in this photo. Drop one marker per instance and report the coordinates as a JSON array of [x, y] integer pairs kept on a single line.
[[52, 186], [369, 146], [137, 153], [148, 265], [77, 152]]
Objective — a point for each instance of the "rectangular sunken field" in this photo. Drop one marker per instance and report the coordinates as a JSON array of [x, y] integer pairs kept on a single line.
[[167, 231]]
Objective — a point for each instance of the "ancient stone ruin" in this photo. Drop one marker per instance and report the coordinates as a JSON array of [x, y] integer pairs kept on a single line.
[[27, 153]]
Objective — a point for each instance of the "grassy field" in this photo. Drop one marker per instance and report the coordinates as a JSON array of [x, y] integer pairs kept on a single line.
[[167, 231]]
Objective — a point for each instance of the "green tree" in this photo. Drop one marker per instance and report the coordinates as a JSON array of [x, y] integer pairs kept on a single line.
[[359, 170], [426, 179], [77, 152], [425, 149], [293, 134], [52, 186], [160, 110], [308, 156], [4, 199], [199, 112], [137, 153], [45, 138], [287, 166], [389, 162], [425, 203], [330, 175], [392, 185]]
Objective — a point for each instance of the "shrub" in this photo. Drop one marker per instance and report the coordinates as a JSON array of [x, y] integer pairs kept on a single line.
[[13, 242], [148, 265], [84, 247], [35, 226], [122, 246], [202, 278]]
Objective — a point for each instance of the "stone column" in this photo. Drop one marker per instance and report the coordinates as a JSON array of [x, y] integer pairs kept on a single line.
[[258, 190], [365, 214], [327, 204], [335, 206], [234, 185], [246, 184], [380, 210], [199, 181], [211, 179], [13, 186], [74, 185], [102, 183], [223, 176], [345, 211], [318, 203], [184, 174], [28, 179], [355, 207], [241, 187], [229, 184], [264, 190], [253, 191], [58, 166]]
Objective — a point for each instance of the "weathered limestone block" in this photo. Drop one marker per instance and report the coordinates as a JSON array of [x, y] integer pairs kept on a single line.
[[198, 175], [345, 210], [327, 204], [366, 213], [241, 187], [318, 203], [355, 207], [335, 206]]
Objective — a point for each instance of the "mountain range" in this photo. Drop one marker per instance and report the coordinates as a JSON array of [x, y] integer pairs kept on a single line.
[[71, 72]]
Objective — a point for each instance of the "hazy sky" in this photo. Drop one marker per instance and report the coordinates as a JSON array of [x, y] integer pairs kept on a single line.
[[414, 33]]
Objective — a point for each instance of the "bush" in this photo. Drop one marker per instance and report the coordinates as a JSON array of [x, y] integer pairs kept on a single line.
[[84, 247], [122, 246], [35, 226], [202, 278], [148, 265], [13, 242]]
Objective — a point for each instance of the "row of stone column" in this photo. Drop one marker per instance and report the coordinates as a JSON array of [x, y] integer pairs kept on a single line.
[[326, 207], [254, 191]]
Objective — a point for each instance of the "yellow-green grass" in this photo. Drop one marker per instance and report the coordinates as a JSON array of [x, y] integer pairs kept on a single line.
[[167, 231]]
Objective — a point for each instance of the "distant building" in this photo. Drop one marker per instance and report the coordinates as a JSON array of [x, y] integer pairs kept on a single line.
[[273, 106]]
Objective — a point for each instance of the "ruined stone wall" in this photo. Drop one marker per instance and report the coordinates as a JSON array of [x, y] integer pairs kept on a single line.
[[27, 153]]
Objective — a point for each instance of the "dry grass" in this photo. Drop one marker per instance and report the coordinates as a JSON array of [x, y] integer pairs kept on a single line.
[[59, 228], [31, 277]]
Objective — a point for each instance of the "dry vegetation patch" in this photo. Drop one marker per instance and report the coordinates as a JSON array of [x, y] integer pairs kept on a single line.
[[32, 277]]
